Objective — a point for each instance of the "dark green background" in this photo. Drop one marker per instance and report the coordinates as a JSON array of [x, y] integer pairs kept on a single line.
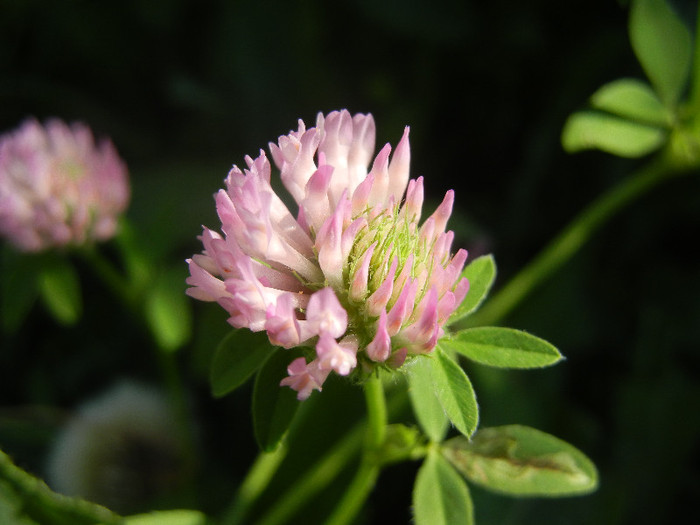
[[185, 89]]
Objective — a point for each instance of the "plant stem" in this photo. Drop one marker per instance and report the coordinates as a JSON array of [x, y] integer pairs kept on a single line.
[[254, 484], [113, 279], [357, 493], [33, 499], [322, 473], [568, 242], [326, 468], [368, 471], [376, 412]]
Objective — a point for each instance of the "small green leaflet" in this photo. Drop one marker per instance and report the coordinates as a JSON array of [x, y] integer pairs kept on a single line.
[[502, 347], [632, 99], [454, 391], [168, 310], [663, 46], [440, 496], [522, 461], [625, 138], [426, 406], [59, 287], [481, 273], [239, 355]]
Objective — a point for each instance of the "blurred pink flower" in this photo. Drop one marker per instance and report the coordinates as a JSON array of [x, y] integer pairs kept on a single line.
[[353, 278], [57, 187]]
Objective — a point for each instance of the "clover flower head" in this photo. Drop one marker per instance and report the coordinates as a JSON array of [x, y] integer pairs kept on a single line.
[[353, 276], [57, 187]]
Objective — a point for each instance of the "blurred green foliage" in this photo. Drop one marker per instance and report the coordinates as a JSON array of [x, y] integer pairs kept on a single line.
[[186, 88]]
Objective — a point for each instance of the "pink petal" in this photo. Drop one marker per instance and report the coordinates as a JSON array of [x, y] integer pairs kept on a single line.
[[325, 314], [414, 200], [329, 244], [403, 307], [399, 167], [304, 378], [376, 304], [281, 322], [358, 286], [333, 356], [379, 348]]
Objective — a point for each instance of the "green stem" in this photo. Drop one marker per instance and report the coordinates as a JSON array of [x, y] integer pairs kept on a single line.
[[368, 472], [319, 476], [357, 493], [254, 484], [329, 466], [376, 412], [117, 283], [33, 499], [568, 242]]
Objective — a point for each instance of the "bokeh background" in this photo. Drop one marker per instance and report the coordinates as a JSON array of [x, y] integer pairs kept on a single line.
[[186, 88]]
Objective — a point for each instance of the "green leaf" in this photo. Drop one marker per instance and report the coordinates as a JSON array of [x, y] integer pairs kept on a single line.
[[136, 257], [18, 287], [59, 287], [167, 310], [440, 496], [167, 517], [274, 406], [454, 391], [481, 273], [662, 44], [239, 355], [426, 406], [634, 100], [522, 461], [503, 347], [594, 130]]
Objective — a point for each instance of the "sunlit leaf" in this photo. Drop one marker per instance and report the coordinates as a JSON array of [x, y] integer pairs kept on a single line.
[[440, 496], [59, 287], [454, 391], [522, 461], [168, 311], [503, 347], [625, 138], [274, 406], [167, 517], [239, 355], [662, 44], [632, 99], [426, 406], [481, 273]]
